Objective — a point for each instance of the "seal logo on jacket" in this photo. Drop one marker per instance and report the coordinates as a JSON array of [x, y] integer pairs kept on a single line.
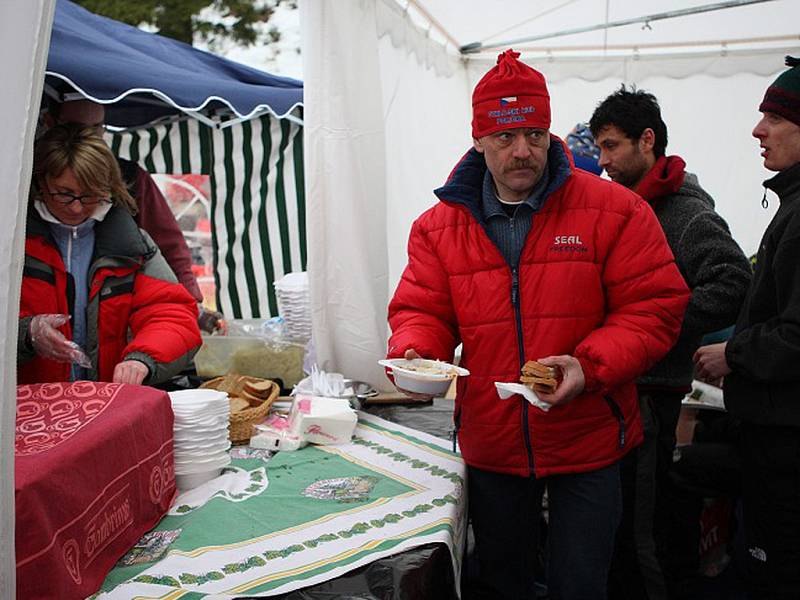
[[568, 243]]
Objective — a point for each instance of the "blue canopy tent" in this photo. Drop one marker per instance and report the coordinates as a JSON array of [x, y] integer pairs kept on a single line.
[[179, 110], [144, 77]]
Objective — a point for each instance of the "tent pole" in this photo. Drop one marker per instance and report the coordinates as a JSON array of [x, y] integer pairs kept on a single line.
[[436, 24], [478, 46]]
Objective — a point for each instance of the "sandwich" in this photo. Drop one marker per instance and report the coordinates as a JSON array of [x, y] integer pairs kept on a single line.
[[539, 378]]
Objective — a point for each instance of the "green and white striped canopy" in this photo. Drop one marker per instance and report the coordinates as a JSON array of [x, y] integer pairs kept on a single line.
[[257, 198]]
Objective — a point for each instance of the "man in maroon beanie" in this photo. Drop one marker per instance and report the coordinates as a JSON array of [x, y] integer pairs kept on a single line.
[[761, 361], [525, 258], [632, 137]]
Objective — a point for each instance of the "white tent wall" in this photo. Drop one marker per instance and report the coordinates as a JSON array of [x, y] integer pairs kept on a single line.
[[345, 168], [427, 120], [25, 35]]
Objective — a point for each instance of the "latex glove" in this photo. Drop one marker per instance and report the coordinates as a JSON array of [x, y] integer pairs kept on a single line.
[[49, 342], [130, 371], [211, 320], [572, 383], [411, 354]]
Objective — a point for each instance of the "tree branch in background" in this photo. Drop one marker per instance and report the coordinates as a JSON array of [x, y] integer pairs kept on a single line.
[[212, 21]]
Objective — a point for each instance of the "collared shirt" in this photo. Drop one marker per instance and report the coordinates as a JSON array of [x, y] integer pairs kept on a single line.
[[507, 225]]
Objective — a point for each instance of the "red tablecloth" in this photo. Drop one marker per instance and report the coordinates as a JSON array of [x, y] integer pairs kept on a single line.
[[93, 472]]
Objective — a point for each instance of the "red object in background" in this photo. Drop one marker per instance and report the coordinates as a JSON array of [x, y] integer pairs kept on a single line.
[[94, 471], [715, 532], [203, 225]]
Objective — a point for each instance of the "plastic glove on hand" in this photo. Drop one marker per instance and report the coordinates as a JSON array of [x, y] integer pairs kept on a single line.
[[49, 342]]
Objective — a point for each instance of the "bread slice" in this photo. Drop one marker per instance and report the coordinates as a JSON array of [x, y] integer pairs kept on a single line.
[[539, 377], [252, 400], [260, 389], [238, 404], [547, 385], [537, 369]]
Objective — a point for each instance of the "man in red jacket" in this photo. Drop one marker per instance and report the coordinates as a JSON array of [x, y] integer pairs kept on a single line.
[[524, 258]]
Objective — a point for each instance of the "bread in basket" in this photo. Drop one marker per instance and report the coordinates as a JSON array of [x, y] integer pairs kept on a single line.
[[259, 394]]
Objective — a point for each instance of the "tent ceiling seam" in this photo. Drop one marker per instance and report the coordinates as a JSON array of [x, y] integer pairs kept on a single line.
[[627, 58], [646, 19], [689, 44]]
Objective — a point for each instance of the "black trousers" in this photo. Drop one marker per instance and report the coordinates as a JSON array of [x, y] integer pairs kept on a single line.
[[505, 510], [641, 565], [771, 498]]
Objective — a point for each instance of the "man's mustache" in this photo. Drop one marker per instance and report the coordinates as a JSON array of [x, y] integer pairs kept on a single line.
[[519, 164]]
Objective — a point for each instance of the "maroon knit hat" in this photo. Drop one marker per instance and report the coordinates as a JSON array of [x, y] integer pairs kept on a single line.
[[783, 96], [510, 95]]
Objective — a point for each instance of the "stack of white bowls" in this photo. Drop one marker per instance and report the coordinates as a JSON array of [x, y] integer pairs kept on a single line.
[[294, 305], [201, 435]]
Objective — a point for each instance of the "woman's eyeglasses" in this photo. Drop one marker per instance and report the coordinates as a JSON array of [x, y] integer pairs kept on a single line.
[[67, 198]]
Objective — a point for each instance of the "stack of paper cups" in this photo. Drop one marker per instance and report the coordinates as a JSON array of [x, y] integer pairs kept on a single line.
[[294, 305]]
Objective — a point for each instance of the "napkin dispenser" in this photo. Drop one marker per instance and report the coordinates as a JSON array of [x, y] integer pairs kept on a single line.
[[321, 420]]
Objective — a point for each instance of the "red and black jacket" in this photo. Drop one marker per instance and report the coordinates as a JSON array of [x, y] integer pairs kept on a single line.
[[136, 308]]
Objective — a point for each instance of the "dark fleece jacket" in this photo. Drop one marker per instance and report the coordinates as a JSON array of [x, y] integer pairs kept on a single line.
[[764, 351], [712, 263]]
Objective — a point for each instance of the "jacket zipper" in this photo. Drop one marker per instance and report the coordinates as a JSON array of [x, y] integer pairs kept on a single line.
[[74, 236], [521, 348], [615, 409]]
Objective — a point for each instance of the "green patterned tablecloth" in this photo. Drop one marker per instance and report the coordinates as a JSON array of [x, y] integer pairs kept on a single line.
[[305, 517]]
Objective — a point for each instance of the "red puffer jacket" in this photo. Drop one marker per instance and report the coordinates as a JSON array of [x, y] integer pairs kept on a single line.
[[596, 280], [136, 309]]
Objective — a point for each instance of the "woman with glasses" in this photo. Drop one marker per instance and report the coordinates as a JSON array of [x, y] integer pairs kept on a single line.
[[98, 300]]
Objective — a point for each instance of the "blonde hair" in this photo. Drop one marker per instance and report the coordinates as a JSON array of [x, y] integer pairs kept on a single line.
[[82, 150]]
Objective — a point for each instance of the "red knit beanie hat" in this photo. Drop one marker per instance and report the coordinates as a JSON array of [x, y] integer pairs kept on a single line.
[[510, 95]]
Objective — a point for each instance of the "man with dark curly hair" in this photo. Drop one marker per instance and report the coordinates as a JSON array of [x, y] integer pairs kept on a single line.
[[632, 138]]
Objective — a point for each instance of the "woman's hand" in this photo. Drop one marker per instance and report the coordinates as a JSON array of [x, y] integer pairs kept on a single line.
[[572, 382], [130, 371]]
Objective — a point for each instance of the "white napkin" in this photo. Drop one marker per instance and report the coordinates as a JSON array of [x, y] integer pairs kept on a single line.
[[704, 395], [320, 383], [506, 390]]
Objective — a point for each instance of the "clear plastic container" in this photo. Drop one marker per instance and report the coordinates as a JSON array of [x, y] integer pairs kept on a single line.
[[254, 355]]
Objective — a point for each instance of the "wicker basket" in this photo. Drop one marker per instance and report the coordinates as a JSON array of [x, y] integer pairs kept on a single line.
[[241, 422]]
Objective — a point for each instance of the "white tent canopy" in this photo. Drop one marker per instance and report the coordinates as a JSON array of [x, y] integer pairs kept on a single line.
[[25, 35], [387, 98]]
